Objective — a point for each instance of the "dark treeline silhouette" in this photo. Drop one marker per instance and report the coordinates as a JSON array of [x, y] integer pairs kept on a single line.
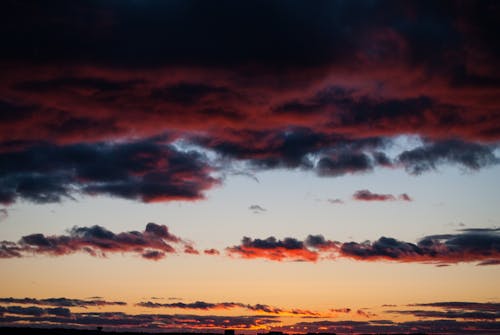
[[100, 330]]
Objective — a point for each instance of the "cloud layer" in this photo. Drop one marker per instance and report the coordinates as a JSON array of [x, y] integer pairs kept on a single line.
[[325, 88], [62, 302], [479, 245], [154, 243], [207, 306], [366, 195], [469, 245], [146, 170]]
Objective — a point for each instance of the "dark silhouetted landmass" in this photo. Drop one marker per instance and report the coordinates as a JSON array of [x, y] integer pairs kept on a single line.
[[66, 331]]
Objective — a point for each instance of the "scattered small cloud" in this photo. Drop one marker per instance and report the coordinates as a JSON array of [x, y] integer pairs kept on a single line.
[[256, 209], [4, 214], [212, 252], [366, 195]]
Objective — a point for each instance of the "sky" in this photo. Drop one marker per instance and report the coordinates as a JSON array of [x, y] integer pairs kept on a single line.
[[326, 166]]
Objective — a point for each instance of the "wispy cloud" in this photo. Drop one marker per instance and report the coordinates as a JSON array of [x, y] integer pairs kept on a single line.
[[62, 302], [263, 308]]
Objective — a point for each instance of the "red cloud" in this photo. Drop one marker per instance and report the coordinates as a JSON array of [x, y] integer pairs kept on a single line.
[[153, 243], [473, 245], [211, 252], [366, 195]]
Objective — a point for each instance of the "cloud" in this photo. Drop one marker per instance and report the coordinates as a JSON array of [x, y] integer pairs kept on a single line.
[[341, 310], [257, 209], [405, 197], [4, 214], [139, 322], [145, 170], [336, 201], [153, 243], [62, 302], [35, 311], [366, 195], [469, 245], [10, 249], [364, 313], [344, 163], [474, 315], [273, 249], [454, 310], [79, 117], [189, 249], [205, 306], [472, 156], [201, 305], [448, 327], [463, 305], [212, 252]]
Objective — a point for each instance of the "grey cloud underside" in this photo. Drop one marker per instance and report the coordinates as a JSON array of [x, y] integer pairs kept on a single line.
[[145, 170], [150, 170]]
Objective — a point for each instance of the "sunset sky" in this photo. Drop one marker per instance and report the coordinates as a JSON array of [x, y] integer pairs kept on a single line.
[[296, 166]]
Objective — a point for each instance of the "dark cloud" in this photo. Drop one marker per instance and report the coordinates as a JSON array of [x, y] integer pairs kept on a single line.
[[440, 326], [322, 88], [257, 209], [474, 315], [472, 156], [450, 248], [189, 249], [344, 163], [189, 93], [153, 243], [476, 245], [404, 197], [364, 313], [366, 195], [195, 305], [144, 170], [273, 249], [336, 201], [211, 252], [178, 322], [341, 310], [202, 305], [36, 311], [280, 148], [307, 87], [463, 305], [10, 249], [75, 84], [292, 36], [62, 302], [454, 310]]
